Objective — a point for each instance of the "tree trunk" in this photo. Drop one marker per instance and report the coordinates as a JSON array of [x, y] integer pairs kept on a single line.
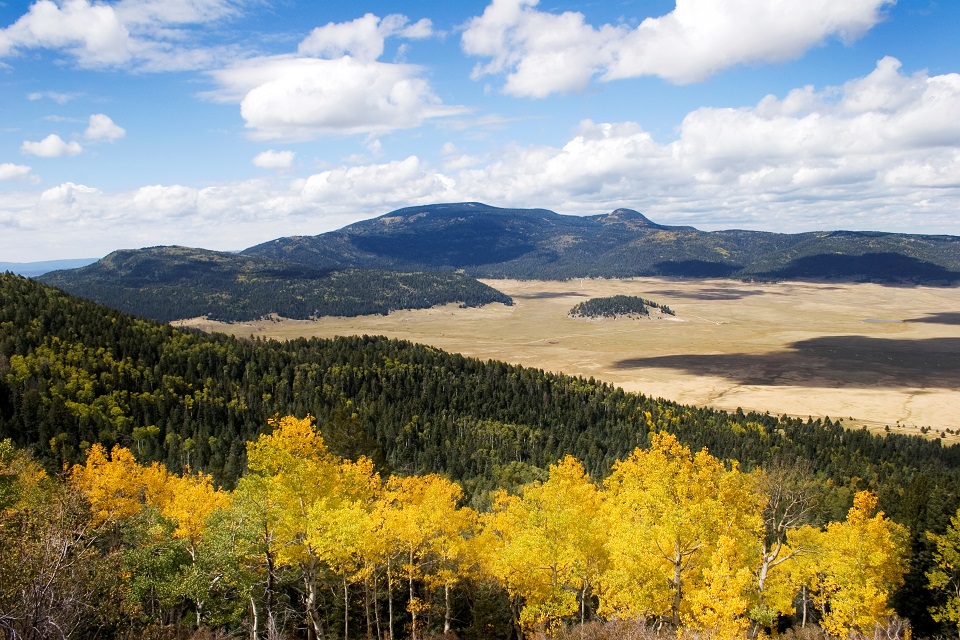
[[413, 608], [313, 615], [366, 607], [376, 605], [447, 614], [390, 598], [803, 594], [254, 623], [677, 589], [346, 610], [271, 581]]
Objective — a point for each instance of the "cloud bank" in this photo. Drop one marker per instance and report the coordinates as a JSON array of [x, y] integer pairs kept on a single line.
[[542, 53], [881, 151]]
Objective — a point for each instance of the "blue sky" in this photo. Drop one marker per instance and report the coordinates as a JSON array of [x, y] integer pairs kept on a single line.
[[225, 123]]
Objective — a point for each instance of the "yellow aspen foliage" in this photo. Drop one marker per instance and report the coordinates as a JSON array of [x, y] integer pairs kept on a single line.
[[341, 528], [727, 581], [862, 562], [945, 578], [188, 501], [678, 523], [114, 484], [548, 544], [420, 514]]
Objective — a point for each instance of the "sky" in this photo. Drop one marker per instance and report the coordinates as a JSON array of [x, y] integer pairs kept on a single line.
[[226, 123]]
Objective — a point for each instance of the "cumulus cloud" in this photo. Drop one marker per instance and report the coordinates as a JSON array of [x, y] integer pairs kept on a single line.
[[16, 173], [271, 159], [543, 53], [151, 35], [345, 90], [101, 127], [53, 146], [363, 38], [408, 180]]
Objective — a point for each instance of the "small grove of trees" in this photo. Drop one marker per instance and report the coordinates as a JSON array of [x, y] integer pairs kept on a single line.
[[616, 306], [310, 544]]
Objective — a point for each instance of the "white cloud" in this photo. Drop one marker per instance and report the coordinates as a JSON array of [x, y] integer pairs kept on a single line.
[[101, 127], [271, 159], [543, 53], [408, 180], [154, 12], [92, 33], [290, 98], [333, 85], [363, 38], [57, 96], [159, 202], [16, 173], [53, 146], [146, 35]]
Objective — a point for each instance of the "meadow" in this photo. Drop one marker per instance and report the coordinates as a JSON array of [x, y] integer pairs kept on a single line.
[[887, 357]]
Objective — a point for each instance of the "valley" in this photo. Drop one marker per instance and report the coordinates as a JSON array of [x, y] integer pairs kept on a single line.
[[871, 354]]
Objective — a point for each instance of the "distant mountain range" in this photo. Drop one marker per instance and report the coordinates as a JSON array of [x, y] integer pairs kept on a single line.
[[490, 242], [423, 256], [31, 269]]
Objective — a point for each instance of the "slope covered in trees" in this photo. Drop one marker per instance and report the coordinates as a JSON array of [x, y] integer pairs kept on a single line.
[[171, 283], [74, 374]]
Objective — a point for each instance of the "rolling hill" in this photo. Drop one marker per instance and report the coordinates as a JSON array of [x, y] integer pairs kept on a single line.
[[491, 242], [169, 283]]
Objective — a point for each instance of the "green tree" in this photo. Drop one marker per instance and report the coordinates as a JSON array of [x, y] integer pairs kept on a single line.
[[945, 578]]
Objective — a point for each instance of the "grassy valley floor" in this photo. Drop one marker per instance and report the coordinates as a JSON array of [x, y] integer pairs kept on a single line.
[[870, 354]]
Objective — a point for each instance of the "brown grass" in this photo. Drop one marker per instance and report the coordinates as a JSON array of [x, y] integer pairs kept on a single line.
[[796, 348]]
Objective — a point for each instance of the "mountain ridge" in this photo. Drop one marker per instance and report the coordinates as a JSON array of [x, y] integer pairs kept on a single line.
[[493, 242]]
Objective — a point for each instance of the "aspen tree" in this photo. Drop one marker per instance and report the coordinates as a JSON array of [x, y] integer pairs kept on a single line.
[[678, 523]]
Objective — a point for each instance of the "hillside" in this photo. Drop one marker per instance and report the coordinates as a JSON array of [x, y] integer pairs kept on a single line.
[[487, 241], [169, 283], [73, 373]]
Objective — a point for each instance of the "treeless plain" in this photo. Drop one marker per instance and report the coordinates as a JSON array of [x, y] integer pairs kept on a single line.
[[870, 354]]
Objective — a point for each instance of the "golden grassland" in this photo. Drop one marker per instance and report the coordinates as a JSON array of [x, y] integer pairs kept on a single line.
[[880, 356]]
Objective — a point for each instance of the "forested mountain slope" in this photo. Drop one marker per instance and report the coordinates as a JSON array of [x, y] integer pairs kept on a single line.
[[492, 242], [74, 373], [170, 283]]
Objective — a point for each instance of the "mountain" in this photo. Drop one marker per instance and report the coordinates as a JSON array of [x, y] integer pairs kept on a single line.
[[31, 269], [487, 241], [169, 283]]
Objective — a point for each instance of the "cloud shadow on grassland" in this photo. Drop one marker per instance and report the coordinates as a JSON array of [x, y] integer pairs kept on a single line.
[[828, 362], [544, 295], [938, 318], [710, 293]]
